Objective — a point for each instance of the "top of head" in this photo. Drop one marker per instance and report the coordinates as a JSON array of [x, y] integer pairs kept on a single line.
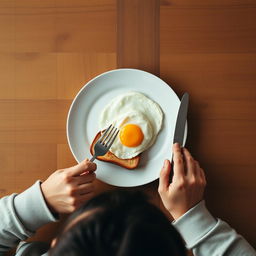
[[137, 227]]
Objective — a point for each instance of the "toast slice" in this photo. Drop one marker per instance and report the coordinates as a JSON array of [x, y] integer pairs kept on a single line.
[[131, 163]]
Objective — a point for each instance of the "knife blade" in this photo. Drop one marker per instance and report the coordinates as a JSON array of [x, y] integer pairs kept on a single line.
[[180, 125], [181, 120]]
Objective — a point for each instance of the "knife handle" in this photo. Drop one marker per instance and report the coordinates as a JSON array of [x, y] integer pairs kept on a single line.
[[171, 173]]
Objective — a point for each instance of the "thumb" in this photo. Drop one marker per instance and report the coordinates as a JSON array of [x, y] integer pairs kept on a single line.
[[84, 166], [164, 176]]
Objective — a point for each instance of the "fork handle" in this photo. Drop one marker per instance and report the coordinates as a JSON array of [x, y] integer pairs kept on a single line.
[[93, 158]]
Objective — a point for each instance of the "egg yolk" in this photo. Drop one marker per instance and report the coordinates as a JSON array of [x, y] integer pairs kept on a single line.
[[131, 135]]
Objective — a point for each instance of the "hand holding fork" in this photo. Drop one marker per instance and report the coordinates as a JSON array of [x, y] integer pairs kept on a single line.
[[105, 142]]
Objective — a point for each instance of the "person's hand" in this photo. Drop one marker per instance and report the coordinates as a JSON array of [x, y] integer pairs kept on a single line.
[[187, 186], [67, 189]]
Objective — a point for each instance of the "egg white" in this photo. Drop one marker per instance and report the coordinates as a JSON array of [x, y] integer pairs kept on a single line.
[[133, 108]]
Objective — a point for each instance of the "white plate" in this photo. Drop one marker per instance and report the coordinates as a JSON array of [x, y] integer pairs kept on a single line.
[[82, 123]]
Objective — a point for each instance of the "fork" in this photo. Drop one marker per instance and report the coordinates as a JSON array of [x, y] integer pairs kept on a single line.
[[105, 142]]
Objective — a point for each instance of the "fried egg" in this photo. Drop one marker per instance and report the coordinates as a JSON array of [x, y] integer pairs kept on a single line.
[[139, 120]]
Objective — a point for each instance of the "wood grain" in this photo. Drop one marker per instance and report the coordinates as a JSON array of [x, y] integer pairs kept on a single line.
[[208, 49], [208, 26], [138, 34], [75, 69]]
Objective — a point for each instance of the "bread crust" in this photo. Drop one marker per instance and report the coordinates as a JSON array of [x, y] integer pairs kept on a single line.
[[130, 164]]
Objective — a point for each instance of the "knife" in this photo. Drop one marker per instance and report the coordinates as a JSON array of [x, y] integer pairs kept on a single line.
[[181, 120], [180, 124]]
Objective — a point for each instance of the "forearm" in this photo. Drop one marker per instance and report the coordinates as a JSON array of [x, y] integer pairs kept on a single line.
[[21, 216], [223, 240], [11, 228], [206, 235]]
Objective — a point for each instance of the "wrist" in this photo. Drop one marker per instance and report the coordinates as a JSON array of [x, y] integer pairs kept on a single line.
[[177, 214], [31, 208], [178, 210], [46, 199]]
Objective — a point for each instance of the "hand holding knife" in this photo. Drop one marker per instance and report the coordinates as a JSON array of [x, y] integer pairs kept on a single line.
[[181, 123], [182, 183]]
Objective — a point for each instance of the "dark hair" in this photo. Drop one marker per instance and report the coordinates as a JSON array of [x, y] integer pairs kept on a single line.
[[122, 223]]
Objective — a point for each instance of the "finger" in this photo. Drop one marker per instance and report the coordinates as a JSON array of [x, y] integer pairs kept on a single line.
[[184, 162], [197, 169], [84, 166], [85, 197], [82, 199], [164, 176], [178, 164], [203, 175], [84, 178], [190, 163], [85, 189]]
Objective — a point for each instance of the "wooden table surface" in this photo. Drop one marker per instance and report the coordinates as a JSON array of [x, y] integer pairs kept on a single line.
[[50, 49]]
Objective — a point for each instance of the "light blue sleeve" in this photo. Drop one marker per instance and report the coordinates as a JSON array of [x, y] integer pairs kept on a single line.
[[21, 215], [206, 235]]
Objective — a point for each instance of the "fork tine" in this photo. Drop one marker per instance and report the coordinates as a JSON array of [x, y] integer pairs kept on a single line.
[[112, 139], [107, 135], [104, 134]]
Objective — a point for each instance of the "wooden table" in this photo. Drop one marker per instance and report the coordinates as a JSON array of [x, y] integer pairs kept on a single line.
[[50, 49]]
